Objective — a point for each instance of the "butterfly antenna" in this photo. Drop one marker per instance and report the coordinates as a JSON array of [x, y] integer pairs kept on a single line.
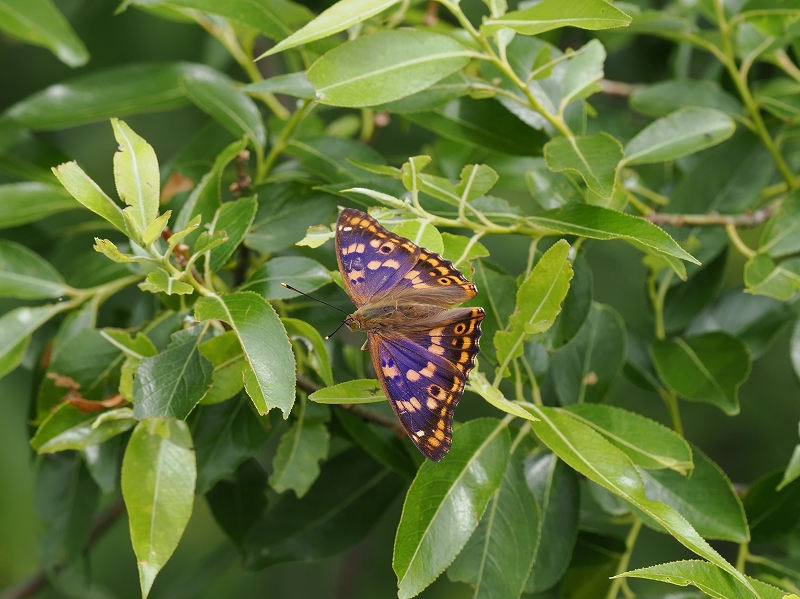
[[337, 329], [313, 298]]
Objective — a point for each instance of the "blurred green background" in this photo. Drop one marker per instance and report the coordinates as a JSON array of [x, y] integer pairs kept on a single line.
[[759, 439]]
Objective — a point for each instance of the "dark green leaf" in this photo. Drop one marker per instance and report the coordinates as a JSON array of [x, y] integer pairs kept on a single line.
[[225, 353], [15, 328], [291, 84], [158, 482], [780, 97], [113, 92], [445, 503], [708, 368], [482, 124], [351, 494], [331, 157], [172, 383], [30, 201], [225, 435], [647, 443], [772, 514], [215, 94], [498, 557], [26, 275], [555, 486], [496, 293], [594, 562], [103, 463], [585, 368], [237, 503], [385, 66], [576, 307], [270, 382], [305, 274], [65, 499], [706, 498], [235, 219], [685, 301], [780, 237], [318, 357], [662, 98], [40, 23], [380, 444], [70, 428]]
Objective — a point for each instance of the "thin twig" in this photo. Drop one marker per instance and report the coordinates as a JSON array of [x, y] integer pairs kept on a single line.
[[748, 219], [310, 386], [619, 88], [39, 581]]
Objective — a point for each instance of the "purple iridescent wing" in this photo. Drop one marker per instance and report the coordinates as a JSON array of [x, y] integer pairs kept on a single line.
[[375, 262], [424, 376]]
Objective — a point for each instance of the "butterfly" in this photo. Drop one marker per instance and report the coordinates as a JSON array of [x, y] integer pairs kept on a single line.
[[422, 351]]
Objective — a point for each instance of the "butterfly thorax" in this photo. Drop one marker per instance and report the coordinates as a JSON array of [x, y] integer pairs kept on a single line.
[[394, 317]]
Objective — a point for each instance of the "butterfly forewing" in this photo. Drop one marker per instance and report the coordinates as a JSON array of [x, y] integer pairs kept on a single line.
[[375, 262]]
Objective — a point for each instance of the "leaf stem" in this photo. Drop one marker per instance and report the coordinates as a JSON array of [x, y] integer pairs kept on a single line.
[[280, 144], [524, 430], [741, 557], [747, 219], [671, 399], [733, 235], [618, 584]]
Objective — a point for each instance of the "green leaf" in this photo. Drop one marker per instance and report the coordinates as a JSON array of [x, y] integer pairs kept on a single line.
[[555, 486], [482, 124], [660, 99], [239, 500], [319, 360], [276, 19], [381, 444], [553, 14], [296, 85], [445, 502], [305, 274], [103, 461], [296, 462], [351, 392], [683, 302], [225, 435], [498, 557], [538, 303], [171, 383], [763, 277], [15, 328], [496, 293], [430, 98], [136, 174], [706, 577], [235, 219], [103, 94], [475, 180], [792, 471], [494, 396], [332, 157], [40, 23], [351, 495], [283, 220], [158, 482], [160, 281], [583, 72], [647, 443], [780, 237], [225, 353], [576, 306], [706, 499], [204, 200], [709, 368], [138, 346], [88, 193], [70, 428], [681, 133], [65, 500], [590, 454], [270, 382], [422, 233], [772, 513], [601, 223], [385, 66], [585, 368], [781, 98], [338, 17], [26, 275], [594, 561], [461, 250], [216, 95], [594, 158], [30, 201]]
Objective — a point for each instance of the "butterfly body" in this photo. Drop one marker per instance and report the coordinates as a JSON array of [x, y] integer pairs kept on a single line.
[[422, 351]]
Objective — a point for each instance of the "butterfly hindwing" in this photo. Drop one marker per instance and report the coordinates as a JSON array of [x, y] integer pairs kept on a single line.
[[455, 336], [375, 262], [423, 389]]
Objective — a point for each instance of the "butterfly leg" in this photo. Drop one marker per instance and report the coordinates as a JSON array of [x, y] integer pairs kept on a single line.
[[366, 344]]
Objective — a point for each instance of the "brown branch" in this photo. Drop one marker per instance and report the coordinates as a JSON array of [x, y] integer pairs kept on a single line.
[[366, 414], [619, 88], [748, 219], [39, 581]]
